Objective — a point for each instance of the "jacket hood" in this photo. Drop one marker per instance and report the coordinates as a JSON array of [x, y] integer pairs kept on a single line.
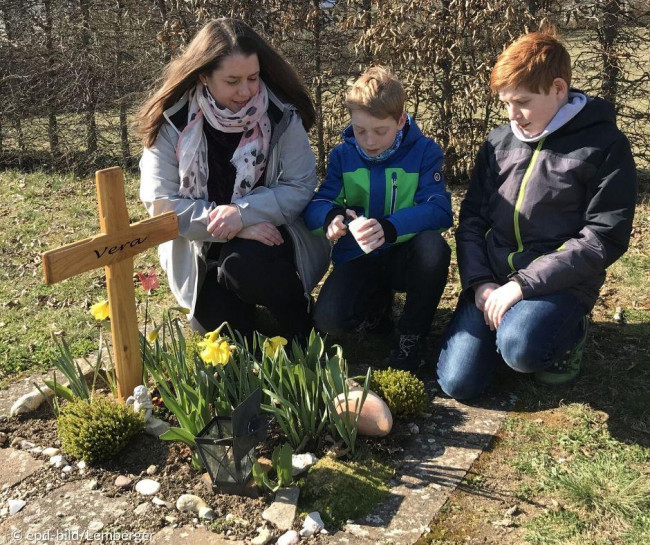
[[411, 130], [596, 112]]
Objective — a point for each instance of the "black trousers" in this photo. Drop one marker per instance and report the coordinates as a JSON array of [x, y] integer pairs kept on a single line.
[[244, 273], [360, 288]]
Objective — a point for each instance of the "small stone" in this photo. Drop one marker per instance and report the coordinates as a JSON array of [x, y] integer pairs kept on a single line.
[[67, 469], [15, 506], [58, 461], [147, 487], [122, 481], [51, 451], [189, 503], [81, 464], [375, 418], [263, 537], [93, 485], [3, 438], [60, 514], [313, 523], [49, 486], [4, 512], [29, 402], [156, 427], [207, 513], [413, 428], [151, 470], [289, 538], [27, 445], [95, 526], [170, 519], [160, 503], [36, 451], [15, 442], [141, 509], [302, 462]]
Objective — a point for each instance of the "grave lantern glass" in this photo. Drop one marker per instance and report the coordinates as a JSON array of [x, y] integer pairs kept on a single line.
[[226, 445]]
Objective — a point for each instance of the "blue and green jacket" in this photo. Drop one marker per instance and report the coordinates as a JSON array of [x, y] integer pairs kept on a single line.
[[406, 192]]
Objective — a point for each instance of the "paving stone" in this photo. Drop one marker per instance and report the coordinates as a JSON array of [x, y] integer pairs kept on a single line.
[[81, 508], [283, 510], [428, 473], [16, 465], [193, 536]]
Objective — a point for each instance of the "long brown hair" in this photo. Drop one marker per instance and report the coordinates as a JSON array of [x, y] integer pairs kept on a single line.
[[214, 42]]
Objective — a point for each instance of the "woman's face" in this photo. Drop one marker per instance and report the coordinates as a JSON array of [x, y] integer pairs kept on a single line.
[[235, 81]]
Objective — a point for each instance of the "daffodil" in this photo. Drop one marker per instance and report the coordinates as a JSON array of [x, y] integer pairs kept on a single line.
[[272, 345], [215, 349], [152, 336], [100, 310]]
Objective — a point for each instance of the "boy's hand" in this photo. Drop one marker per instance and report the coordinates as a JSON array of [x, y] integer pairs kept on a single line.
[[264, 232], [482, 292], [499, 301], [225, 222], [337, 227], [371, 234]]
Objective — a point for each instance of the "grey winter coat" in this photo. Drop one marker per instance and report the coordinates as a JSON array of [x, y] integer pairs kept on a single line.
[[552, 215], [289, 185]]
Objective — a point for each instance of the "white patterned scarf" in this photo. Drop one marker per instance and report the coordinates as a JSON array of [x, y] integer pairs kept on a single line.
[[250, 156]]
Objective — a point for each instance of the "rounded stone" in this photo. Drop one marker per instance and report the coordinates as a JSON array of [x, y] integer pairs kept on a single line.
[[122, 481], [189, 502], [375, 419], [289, 538], [147, 487]]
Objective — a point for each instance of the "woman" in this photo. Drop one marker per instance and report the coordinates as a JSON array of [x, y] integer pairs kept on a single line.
[[226, 148]]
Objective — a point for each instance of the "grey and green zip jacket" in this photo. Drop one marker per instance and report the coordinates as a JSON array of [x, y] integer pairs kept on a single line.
[[551, 215]]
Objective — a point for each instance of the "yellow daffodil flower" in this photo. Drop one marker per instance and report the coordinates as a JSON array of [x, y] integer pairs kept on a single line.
[[215, 349], [152, 336], [272, 345], [100, 310]]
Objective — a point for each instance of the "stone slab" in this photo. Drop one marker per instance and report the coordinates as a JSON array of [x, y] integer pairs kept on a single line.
[[16, 465], [433, 464], [283, 510], [189, 535], [67, 515]]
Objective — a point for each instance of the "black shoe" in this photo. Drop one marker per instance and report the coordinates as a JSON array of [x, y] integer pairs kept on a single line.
[[407, 355]]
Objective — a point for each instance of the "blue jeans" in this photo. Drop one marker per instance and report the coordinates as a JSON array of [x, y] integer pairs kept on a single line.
[[533, 334], [361, 288]]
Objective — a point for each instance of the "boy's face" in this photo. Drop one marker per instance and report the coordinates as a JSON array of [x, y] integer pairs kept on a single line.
[[375, 135], [533, 111]]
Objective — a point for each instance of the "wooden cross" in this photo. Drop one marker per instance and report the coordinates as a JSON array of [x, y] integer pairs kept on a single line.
[[114, 249]]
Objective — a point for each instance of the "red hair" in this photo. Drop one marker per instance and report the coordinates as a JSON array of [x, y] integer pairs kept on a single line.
[[533, 61]]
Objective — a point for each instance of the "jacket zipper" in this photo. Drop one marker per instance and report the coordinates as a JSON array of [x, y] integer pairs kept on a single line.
[[520, 199], [393, 195]]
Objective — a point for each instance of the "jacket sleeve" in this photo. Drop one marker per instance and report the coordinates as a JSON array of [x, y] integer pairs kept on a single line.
[[432, 201], [159, 185], [473, 224], [330, 195], [603, 239], [286, 198]]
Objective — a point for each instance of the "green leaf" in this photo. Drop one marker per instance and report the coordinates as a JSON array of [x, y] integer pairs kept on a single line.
[[179, 434], [60, 390]]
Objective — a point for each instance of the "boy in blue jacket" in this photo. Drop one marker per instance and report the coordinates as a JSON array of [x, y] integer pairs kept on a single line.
[[387, 171]]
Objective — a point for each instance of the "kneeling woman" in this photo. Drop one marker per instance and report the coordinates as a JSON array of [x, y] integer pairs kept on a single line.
[[226, 148]]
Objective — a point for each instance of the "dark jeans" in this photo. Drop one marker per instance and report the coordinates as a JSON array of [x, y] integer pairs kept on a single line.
[[244, 273], [533, 334], [358, 289]]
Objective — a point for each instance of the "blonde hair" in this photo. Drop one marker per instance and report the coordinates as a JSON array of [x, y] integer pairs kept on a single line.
[[533, 61], [378, 93], [204, 54]]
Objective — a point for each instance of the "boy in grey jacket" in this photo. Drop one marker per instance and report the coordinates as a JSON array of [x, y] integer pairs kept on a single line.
[[549, 208]]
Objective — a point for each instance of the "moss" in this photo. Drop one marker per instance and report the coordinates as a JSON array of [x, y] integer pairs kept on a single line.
[[98, 430], [344, 490], [403, 392]]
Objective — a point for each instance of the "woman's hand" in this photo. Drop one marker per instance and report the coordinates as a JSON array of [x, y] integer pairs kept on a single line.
[[225, 222], [499, 301], [264, 232]]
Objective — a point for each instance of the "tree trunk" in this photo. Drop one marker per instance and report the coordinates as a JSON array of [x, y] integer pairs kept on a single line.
[[608, 33], [318, 92], [124, 134]]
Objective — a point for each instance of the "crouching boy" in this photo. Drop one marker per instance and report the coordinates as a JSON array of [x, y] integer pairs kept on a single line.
[[388, 176], [549, 208]]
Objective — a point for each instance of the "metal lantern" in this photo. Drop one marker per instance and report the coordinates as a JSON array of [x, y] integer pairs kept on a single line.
[[226, 445]]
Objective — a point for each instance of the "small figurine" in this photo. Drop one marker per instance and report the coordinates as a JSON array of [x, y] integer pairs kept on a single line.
[[141, 401]]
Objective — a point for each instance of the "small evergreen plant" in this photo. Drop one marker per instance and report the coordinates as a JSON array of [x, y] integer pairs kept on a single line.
[[402, 391], [98, 429]]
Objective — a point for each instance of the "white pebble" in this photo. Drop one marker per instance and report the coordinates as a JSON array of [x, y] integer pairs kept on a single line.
[[95, 526], [51, 451], [67, 469], [58, 461], [81, 464], [313, 523], [289, 538], [15, 506], [147, 487]]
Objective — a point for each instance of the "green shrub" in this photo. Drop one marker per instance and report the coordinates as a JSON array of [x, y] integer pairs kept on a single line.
[[98, 429], [403, 392]]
